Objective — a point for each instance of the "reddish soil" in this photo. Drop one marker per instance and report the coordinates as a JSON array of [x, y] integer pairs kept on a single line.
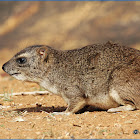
[[31, 116]]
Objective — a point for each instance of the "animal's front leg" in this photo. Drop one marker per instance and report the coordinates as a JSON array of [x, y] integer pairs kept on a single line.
[[75, 104]]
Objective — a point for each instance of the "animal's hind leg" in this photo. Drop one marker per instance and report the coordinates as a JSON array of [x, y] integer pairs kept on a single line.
[[127, 107], [125, 89], [126, 104]]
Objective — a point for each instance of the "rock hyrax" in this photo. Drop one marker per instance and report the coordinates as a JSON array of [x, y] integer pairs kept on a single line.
[[106, 76]]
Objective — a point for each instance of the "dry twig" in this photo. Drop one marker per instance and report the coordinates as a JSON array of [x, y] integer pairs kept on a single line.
[[26, 93]]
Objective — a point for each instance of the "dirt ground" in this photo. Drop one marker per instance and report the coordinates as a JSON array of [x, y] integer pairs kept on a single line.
[[32, 117]]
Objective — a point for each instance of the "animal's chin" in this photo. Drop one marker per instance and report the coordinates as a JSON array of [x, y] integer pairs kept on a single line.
[[18, 76]]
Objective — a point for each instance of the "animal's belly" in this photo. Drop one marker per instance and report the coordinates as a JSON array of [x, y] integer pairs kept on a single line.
[[102, 102]]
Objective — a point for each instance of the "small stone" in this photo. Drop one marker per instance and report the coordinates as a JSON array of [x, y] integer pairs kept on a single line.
[[129, 122], [19, 119], [38, 133]]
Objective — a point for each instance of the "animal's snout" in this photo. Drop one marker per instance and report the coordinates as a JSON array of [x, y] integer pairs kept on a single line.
[[4, 67]]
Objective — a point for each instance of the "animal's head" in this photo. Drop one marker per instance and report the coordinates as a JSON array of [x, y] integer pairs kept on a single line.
[[28, 64]]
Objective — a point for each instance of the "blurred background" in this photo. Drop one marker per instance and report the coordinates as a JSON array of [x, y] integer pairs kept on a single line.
[[67, 24]]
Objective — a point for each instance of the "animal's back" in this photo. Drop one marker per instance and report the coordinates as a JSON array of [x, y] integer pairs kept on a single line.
[[92, 66]]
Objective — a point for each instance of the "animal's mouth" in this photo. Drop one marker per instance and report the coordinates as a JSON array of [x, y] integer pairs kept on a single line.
[[16, 73]]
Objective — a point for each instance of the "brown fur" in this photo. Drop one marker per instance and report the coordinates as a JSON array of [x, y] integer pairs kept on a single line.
[[106, 76]]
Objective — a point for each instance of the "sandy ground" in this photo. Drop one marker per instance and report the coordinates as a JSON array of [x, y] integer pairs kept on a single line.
[[32, 116]]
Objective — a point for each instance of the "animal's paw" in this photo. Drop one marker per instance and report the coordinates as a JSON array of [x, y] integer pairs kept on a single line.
[[61, 113]]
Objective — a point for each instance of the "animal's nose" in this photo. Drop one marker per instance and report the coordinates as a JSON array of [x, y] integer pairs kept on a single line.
[[3, 67]]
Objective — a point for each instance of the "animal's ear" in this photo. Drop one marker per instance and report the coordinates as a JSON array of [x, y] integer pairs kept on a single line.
[[42, 52]]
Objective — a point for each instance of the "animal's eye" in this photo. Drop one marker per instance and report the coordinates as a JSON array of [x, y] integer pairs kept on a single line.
[[21, 60]]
